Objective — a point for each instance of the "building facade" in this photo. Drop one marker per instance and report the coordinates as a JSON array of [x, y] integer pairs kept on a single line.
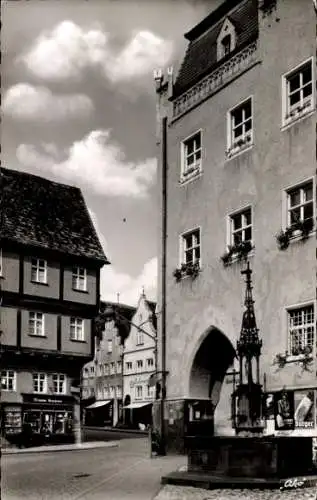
[[102, 378], [139, 363], [50, 274], [239, 161]]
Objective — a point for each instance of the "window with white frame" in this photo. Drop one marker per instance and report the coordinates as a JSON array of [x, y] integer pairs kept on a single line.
[[106, 369], [139, 365], [240, 227], [150, 362], [110, 345], [79, 279], [39, 270], [8, 380], [300, 204], [301, 329], [36, 324], [191, 247], [138, 391], [112, 368], [59, 383], [128, 366], [106, 392], [191, 155], [240, 127], [150, 391], [119, 391], [39, 382], [112, 391], [77, 331], [119, 366], [139, 337], [298, 92]]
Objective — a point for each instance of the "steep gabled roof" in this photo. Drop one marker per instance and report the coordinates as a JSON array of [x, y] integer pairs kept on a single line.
[[201, 53], [46, 214]]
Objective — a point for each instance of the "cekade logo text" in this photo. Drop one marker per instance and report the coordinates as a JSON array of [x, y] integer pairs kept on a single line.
[[293, 483]]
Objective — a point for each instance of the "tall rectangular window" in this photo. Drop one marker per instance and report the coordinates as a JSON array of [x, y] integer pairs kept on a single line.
[[191, 155], [39, 382], [138, 392], [150, 363], [109, 345], [39, 270], [119, 366], [240, 127], [77, 329], [59, 383], [301, 329], [119, 391], [298, 92], [36, 324], [300, 204], [139, 365], [241, 227], [8, 380], [112, 368], [191, 247], [79, 279], [128, 366], [139, 337]]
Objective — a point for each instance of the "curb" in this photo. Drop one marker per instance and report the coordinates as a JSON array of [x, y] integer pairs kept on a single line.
[[115, 429], [66, 447]]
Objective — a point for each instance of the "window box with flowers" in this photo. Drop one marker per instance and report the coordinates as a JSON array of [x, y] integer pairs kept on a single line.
[[301, 228], [237, 252], [191, 269], [238, 146]]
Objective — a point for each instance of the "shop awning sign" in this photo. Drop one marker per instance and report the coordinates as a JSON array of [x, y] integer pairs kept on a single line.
[[136, 405], [98, 404]]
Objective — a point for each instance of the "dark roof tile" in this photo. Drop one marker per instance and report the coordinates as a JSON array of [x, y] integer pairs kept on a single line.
[[54, 216], [201, 54]]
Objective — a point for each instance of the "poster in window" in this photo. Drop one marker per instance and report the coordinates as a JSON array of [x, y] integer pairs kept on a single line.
[[284, 410], [304, 409]]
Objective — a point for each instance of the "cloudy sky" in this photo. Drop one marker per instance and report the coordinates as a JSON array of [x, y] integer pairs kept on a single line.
[[78, 106]]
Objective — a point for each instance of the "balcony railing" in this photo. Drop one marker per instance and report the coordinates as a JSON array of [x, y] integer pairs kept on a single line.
[[237, 64]]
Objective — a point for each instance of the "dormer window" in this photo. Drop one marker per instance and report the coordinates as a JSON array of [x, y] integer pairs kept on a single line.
[[226, 40], [226, 45]]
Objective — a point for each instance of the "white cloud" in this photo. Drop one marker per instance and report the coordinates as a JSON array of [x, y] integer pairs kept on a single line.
[[68, 50], [129, 287], [139, 57], [95, 162], [27, 102]]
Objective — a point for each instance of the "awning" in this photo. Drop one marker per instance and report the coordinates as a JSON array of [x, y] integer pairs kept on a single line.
[[136, 405], [97, 404]]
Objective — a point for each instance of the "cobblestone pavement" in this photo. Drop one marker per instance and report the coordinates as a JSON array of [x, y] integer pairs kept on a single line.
[[170, 492]]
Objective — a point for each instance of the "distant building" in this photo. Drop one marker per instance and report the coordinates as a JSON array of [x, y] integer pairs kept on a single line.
[[241, 167], [139, 363], [102, 379], [50, 260]]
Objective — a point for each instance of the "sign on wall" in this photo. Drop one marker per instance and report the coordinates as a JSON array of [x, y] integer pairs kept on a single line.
[[304, 409], [284, 410]]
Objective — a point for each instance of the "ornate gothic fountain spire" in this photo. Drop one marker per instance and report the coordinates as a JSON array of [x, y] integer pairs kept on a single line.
[[249, 344]]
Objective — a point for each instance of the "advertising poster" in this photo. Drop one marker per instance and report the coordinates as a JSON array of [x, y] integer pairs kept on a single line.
[[304, 409], [284, 410]]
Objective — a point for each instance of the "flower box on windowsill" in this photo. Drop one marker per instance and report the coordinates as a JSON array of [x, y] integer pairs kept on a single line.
[[298, 112], [239, 145], [236, 252], [190, 172], [187, 270], [300, 229]]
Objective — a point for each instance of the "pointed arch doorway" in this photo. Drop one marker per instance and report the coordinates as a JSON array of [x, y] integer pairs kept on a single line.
[[213, 357]]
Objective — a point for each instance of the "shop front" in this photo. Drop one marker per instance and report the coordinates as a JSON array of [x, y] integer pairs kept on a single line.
[[139, 414], [49, 416], [99, 413]]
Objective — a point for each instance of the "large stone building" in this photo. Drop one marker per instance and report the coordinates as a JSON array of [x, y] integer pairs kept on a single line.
[[102, 378], [239, 162], [50, 278]]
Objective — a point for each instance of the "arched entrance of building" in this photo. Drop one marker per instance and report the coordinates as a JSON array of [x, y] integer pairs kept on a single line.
[[213, 357]]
